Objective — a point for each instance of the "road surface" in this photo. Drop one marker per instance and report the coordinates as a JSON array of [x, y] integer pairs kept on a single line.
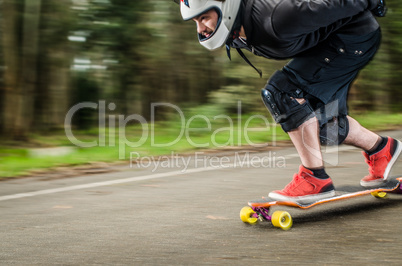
[[185, 210]]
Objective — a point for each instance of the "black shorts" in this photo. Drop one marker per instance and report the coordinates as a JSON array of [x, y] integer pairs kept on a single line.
[[326, 71]]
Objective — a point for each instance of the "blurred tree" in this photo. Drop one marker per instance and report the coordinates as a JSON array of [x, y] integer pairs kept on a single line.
[[57, 53], [28, 71], [53, 87], [378, 86], [112, 32], [156, 57], [28, 52], [177, 69], [393, 39], [10, 43]]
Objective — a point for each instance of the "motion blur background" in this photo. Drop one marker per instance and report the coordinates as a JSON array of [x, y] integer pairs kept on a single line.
[[57, 53]]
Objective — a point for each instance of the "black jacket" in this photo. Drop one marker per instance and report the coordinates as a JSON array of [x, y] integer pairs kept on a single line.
[[284, 28]]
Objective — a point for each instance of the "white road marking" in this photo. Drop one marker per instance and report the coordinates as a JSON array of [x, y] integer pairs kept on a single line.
[[142, 178]]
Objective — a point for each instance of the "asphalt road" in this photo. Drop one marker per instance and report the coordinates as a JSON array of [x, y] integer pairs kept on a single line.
[[168, 212]]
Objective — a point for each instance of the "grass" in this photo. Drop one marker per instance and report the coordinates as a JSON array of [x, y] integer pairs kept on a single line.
[[200, 132], [379, 122]]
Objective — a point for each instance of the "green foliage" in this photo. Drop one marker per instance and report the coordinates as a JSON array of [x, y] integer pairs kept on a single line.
[[137, 53], [86, 90], [234, 97], [19, 161]]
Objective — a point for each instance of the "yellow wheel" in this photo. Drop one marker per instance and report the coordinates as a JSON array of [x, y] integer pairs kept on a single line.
[[282, 220], [246, 215], [379, 194]]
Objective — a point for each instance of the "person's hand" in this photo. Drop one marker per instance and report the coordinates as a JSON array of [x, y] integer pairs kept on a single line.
[[380, 10]]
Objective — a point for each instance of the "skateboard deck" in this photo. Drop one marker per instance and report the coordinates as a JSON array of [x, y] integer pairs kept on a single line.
[[258, 210]]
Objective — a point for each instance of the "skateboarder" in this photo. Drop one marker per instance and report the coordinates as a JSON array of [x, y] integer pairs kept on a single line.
[[329, 43]]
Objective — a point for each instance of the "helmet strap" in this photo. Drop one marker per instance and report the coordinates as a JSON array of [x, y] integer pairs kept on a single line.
[[234, 33]]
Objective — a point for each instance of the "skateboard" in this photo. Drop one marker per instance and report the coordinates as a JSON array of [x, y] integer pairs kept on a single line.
[[259, 210]]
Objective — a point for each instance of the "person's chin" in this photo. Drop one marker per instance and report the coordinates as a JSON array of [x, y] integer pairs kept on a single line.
[[207, 35]]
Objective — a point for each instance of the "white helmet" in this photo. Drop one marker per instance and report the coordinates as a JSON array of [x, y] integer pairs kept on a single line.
[[227, 13]]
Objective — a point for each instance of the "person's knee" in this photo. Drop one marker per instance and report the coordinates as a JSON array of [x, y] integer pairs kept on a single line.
[[285, 102]]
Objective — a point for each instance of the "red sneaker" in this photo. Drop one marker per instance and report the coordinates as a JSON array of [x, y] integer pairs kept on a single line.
[[380, 163], [305, 188]]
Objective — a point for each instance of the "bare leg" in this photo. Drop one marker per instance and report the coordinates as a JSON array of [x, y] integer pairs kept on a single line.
[[306, 140], [361, 137], [311, 185], [307, 143]]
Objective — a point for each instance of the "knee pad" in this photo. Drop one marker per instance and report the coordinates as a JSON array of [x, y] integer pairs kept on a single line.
[[335, 131], [279, 98]]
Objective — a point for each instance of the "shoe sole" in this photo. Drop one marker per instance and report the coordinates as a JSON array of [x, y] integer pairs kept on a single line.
[[387, 169], [302, 199]]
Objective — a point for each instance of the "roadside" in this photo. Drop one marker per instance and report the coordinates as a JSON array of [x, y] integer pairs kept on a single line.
[[56, 157]]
